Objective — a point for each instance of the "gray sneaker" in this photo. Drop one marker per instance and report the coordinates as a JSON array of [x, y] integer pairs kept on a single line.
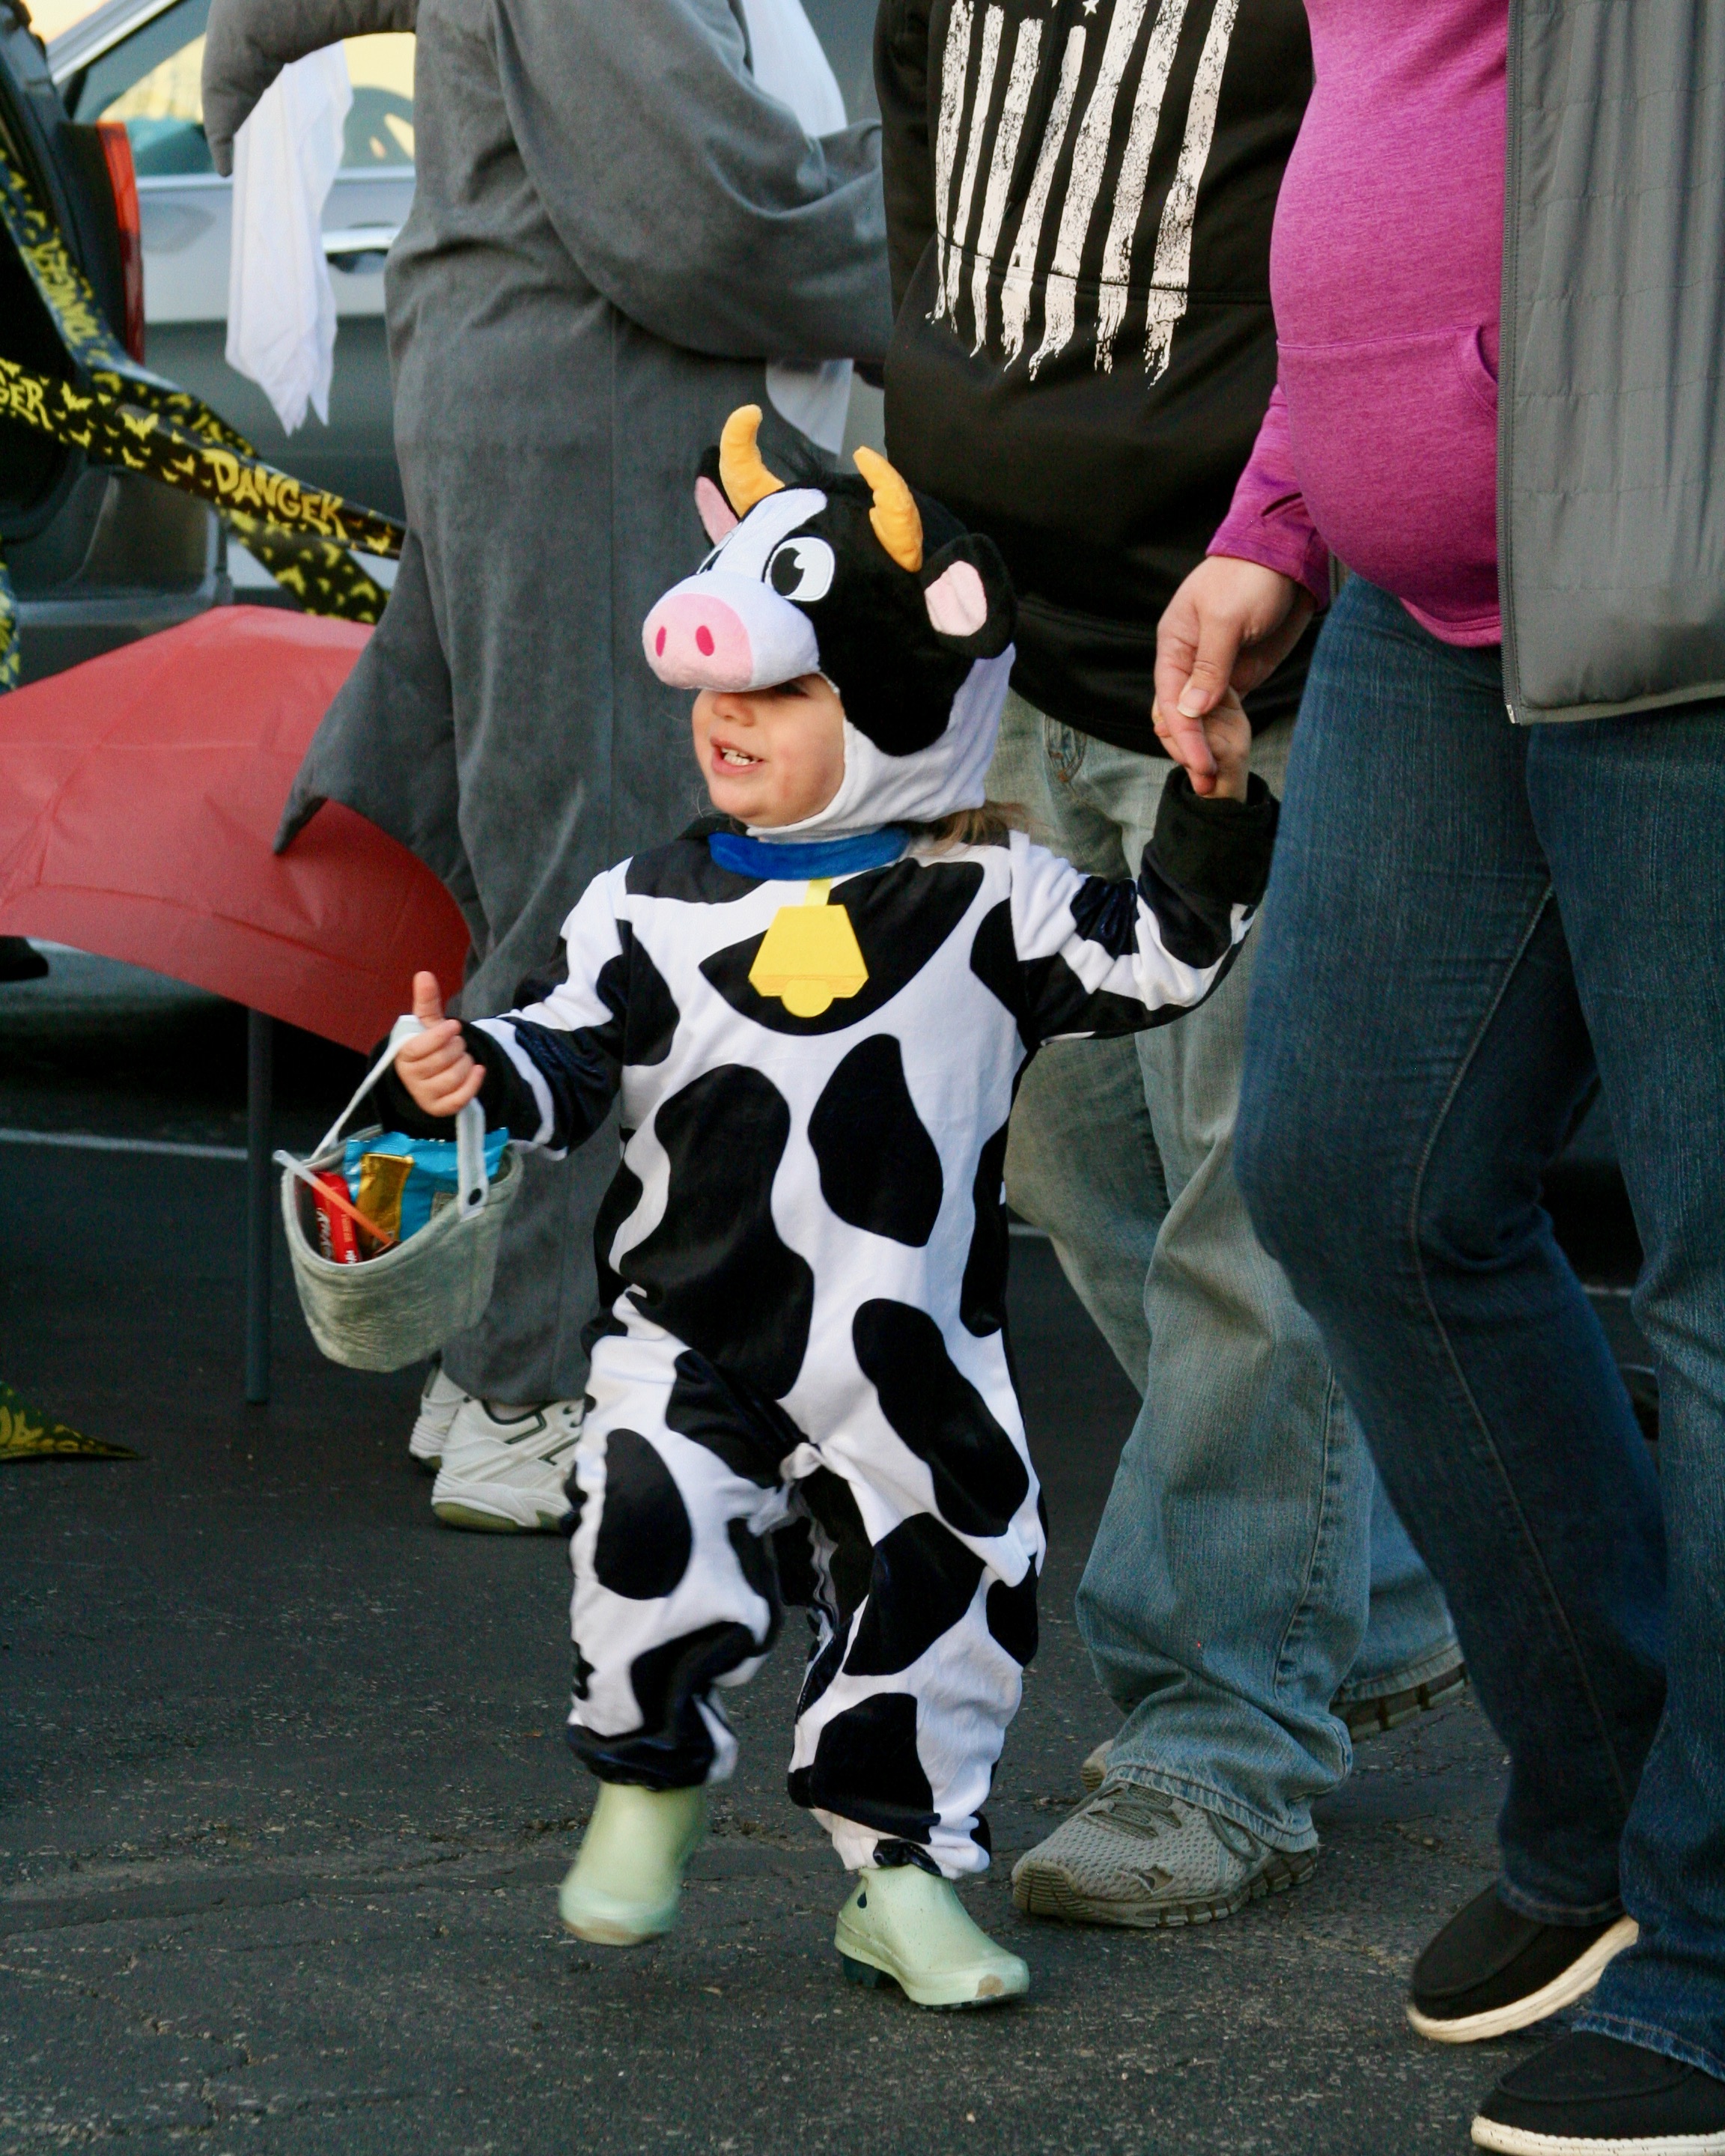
[[1131, 1856], [1389, 1709], [1094, 1770]]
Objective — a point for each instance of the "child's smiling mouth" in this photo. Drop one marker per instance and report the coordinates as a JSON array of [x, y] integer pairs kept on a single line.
[[773, 756]]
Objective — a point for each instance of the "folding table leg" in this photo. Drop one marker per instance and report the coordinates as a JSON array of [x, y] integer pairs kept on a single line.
[[259, 1058]]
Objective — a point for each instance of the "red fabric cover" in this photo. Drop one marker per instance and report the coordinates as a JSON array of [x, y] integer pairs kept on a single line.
[[140, 795]]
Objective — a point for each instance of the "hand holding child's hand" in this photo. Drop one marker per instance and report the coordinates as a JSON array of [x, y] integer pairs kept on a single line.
[[1228, 732], [436, 1066]]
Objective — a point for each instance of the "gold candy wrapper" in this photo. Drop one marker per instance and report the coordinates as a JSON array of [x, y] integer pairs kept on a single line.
[[382, 1177]]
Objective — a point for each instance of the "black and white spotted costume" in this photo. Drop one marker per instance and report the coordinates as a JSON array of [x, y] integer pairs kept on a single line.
[[802, 1258]]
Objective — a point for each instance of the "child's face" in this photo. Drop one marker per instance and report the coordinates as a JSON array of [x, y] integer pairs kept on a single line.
[[771, 756]]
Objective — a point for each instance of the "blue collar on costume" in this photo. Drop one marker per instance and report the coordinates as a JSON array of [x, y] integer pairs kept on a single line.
[[794, 860]]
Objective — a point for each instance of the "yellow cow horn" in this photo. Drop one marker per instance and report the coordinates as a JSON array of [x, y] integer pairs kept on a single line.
[[746, 480], [897, 525]]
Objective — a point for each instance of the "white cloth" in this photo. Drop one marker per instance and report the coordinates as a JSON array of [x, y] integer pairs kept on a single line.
[[786, 60], [281, 306]]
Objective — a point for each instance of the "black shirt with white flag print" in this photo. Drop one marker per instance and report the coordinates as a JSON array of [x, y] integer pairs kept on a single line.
[[1079, 198]]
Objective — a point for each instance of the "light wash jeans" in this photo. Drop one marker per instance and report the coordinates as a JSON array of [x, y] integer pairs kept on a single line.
[[1226, 1599]]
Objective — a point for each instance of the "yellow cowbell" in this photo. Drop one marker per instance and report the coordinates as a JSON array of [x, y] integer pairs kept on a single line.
[[810, 956]]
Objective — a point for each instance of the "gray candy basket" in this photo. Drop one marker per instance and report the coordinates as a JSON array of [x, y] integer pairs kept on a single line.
[[400, 1308]]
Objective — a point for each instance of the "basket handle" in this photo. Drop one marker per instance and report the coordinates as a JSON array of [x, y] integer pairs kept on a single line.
[[471, 1180]]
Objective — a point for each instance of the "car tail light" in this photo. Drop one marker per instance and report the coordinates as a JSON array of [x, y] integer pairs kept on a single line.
[[122, 177]]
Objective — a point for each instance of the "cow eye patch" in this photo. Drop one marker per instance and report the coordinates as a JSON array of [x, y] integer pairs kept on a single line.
[[802, 569]]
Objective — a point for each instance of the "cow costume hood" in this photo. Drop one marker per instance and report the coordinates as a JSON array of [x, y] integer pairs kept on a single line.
[[883, 592]]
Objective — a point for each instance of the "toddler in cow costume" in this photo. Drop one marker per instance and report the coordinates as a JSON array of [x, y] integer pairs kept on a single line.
[[814, 1009]]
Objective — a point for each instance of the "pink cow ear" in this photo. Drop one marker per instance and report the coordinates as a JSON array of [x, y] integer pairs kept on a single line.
[[957, 601], [718, 518]]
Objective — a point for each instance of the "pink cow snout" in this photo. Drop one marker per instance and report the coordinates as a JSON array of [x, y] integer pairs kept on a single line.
[[694, 640]]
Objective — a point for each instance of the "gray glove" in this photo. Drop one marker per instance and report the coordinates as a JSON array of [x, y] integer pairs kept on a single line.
[[248, 43]]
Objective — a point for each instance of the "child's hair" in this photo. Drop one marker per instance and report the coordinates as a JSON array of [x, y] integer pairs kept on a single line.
[[987, 826]]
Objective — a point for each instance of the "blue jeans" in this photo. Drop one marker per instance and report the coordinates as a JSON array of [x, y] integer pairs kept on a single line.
[[1226, 1595], [1464, 919]]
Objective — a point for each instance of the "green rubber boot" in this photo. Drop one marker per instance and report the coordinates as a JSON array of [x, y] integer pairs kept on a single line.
[[910, 1925], [624, 1888]]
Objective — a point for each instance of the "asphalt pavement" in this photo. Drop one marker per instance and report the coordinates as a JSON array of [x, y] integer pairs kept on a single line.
[[284, 1798]]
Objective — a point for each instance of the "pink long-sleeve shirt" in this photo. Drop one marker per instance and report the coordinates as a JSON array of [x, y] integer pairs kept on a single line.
[[1380, 444]]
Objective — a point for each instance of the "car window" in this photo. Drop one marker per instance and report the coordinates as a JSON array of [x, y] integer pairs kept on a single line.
[[153, 81]]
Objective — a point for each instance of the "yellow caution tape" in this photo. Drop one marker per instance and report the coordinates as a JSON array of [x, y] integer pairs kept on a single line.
[[8, 633], [114, 429], [122, 415]]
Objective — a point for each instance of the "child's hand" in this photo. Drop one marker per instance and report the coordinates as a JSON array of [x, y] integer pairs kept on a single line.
[[1229, 733], [436, 1066]]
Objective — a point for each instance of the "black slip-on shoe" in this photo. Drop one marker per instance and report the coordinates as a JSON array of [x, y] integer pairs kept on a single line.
[[1586, 2095], [1489, 1971]]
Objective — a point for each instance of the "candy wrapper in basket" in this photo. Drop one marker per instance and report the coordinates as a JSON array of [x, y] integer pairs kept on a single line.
[[401, 1184]]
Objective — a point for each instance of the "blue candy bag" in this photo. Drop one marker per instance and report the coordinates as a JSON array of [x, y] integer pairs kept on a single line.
[[400, 1183]]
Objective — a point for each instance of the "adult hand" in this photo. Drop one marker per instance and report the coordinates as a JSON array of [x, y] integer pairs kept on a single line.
[[434, 1065], [1229, 625]]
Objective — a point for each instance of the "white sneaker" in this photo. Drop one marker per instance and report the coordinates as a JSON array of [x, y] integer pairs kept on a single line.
[[504, 1469], [438, 1403]]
